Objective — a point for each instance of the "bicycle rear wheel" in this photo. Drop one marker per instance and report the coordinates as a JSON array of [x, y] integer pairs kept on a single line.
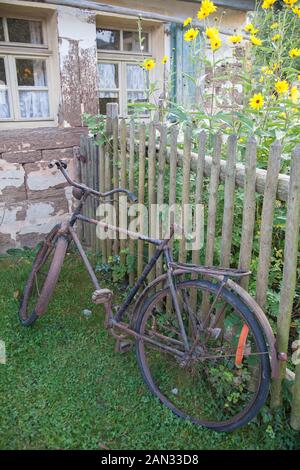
[[224, 380], [43, 277]]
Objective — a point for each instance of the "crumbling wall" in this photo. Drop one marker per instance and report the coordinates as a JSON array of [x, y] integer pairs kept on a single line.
[[33, 197]]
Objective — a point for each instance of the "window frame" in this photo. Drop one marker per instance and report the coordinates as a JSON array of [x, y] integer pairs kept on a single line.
[[122, 58], [11, 51]]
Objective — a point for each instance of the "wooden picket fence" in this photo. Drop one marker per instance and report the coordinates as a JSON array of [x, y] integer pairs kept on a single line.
[[146, 159]]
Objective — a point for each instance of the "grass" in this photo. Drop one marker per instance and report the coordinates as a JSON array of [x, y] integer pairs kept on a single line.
[[64, 386]]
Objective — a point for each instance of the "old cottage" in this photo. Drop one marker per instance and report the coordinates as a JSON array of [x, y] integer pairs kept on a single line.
[[60, 59]]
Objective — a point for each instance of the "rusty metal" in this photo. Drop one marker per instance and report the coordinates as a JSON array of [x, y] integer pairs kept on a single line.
[[174, 272]]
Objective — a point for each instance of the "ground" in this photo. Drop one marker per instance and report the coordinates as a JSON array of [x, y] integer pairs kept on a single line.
[[64, 386]]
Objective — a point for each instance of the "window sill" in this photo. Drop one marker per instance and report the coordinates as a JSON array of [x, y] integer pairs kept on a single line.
[[27, 124]]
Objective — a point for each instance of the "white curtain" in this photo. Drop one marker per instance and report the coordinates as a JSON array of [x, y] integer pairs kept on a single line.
[[107, 76], [4, 107], [34, 104], [136, 79], [35, 31]]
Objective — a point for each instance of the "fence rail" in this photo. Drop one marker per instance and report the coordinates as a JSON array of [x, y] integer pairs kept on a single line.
[[149, 160]]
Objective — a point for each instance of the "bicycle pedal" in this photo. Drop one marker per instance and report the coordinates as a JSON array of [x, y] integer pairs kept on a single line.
[[102, 296], [123, 346]]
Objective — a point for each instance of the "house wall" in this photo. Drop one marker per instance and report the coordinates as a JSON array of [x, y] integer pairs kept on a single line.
[[33, 197]]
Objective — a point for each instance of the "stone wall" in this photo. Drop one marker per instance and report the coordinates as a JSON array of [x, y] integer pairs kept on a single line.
[[33, 197]]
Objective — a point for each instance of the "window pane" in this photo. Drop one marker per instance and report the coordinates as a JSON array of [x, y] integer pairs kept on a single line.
[[137, 77], [107, 97], [4, 106], [1, 30], [34, 104], [108, 39], [2, 72], [137, 97], [108, 76], [25, 31], [31, 72], [131, 42]]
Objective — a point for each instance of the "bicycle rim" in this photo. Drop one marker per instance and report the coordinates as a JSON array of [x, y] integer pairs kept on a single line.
[[225, 380]]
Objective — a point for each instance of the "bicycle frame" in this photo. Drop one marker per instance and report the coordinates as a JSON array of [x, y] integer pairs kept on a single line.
[[222, 276], [162, 249]]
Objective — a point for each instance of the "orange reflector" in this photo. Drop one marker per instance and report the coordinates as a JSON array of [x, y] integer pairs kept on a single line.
[[241, 345]]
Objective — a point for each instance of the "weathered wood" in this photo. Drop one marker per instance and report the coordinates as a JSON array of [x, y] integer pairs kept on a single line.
[[228, 203], [131, 188], [295, 414], [83, 180], [185, 189], [102, 189], [160, 185], [141, 194], [151, 192], [199, 182], [123, 184], [248, 210], [173, 171], [266, 226], [289, 273], [212, 202], [108, 178], [260, 179], [116, 184]]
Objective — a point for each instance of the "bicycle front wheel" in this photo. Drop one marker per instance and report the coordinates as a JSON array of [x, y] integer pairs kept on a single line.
[[43, 277], [223, 381]]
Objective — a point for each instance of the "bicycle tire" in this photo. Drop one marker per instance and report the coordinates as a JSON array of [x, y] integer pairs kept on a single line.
[[58, 247], [245, 312]]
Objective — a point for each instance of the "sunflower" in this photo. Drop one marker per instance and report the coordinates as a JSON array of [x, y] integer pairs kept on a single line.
[[215, 43], [255, 40], [208, 6], [235, 39], [281, 86], [249, 28], [165, 59], [294, 52], [276, 37], [256, 101], [149, 64], [191, 34], [267, 4], [274, 25], [212, 33], [187, 21], [290, 3], [296, 10], [201, 14]]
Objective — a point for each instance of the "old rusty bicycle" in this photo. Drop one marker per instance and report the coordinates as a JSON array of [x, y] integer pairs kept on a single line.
[[204, 347]]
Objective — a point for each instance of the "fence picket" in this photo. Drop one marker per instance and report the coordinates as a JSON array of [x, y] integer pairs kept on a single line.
[[151, 191], [101, 153], [123, 184], [266, 226], [289, 278], [131, 188], [212, 203], [187, 148], [108, 180], [160, 185], [115, 131], [141, 194], [229, 188], [248, 210]]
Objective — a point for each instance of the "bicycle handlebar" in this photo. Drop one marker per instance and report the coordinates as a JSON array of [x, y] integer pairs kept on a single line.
[[62, 166]]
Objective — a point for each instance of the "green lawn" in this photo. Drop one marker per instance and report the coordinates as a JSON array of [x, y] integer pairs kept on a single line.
[[64, 386]]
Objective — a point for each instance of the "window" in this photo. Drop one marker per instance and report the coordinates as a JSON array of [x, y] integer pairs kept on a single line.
[[122, 80], [24, 70]]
